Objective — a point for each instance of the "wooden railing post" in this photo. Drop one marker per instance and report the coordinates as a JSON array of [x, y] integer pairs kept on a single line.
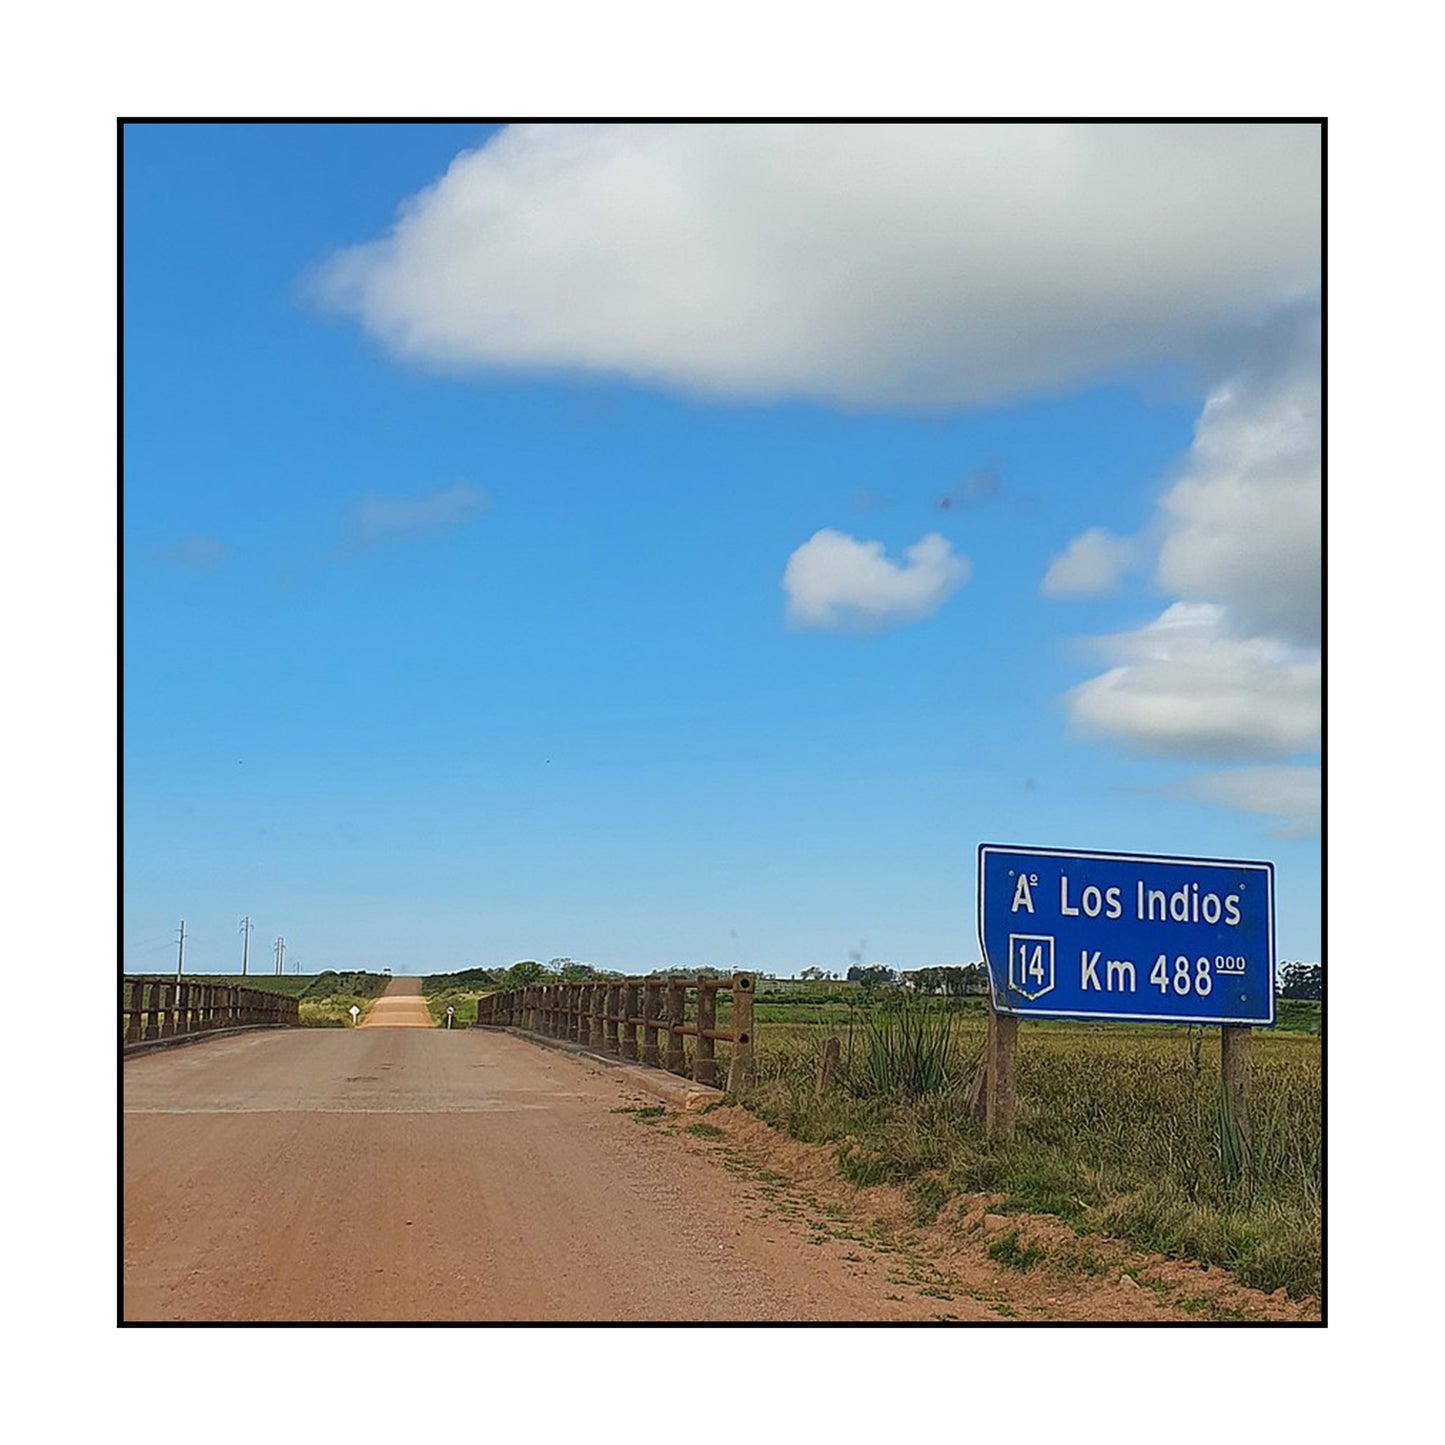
[[675, 1060], [135, 1022], [153, 1011], [651, 1003], [597, 1028], [614, 1014], [629, 1015], [183, 1007], [740, 1070], [704, 1061]]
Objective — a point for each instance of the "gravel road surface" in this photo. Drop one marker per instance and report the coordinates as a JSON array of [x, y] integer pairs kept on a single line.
[[408, 1173]]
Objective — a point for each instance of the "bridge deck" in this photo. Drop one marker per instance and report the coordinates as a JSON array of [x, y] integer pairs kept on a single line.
[[421, 1174]]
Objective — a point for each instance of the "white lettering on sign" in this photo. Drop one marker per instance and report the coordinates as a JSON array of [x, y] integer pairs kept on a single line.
[[1185, 905], [1023, 894], [1185, 975], [1109, 902], [1118, 973]]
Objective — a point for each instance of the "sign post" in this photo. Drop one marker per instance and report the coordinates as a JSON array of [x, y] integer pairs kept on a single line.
[[1133, 937], [450, 1011], [355, 1014]]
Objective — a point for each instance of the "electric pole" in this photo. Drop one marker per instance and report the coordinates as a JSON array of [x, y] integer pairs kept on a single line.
[[180, 950], [245, 942], [280, 954]]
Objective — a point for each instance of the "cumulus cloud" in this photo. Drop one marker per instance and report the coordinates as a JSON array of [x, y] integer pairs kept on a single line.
[[1232, 670], [835, 581], [868, 265], [1091, 566], [1243, 524], [380, 519], [1291, 794], [1186, 687]]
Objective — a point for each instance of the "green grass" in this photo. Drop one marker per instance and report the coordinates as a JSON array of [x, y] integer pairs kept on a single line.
[[1118, 1134], [1007, 1250]]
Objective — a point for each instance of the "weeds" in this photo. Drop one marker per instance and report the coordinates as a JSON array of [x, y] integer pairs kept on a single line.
[[1119, 1133]]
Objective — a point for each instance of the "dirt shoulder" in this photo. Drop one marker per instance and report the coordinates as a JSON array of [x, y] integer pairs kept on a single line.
[[1017, 1265]]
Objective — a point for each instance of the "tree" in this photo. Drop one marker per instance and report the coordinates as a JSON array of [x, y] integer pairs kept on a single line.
[[570, 971], [1302, 980], [525, 972], [873, 975], [813, 975]]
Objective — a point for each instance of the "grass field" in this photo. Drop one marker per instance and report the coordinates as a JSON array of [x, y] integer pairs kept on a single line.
[[1118, 1132]]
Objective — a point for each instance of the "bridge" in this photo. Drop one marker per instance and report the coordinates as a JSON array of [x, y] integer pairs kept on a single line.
[[401, 1172]]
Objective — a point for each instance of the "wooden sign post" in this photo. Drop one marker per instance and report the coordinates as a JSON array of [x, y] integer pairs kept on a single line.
[[1000, 1098]]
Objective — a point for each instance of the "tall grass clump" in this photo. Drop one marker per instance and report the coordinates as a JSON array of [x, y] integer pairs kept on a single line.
[[906, 1054]]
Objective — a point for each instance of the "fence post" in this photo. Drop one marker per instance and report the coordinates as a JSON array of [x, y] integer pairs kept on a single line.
[[183, 1007], [134, 1023], [704, 1061], [740, 1070], [676, 1017], [1000, 1096], [651, 1003], [629, 1012]]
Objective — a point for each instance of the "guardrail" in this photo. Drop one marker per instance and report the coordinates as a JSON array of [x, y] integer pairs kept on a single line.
[[161, 1008], [634, 1017]]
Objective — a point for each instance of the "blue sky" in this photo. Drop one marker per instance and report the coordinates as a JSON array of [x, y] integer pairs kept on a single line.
[[534, 578]]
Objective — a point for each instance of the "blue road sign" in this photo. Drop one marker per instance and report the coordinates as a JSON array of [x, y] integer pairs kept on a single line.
[[1127, 935]]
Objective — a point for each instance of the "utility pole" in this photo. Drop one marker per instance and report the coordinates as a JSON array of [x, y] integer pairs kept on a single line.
[[181, 950], [245, 942], [280, 954]]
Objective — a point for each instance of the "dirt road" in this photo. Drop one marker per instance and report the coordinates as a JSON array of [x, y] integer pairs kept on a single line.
[[402, 1173], [400, 1007]]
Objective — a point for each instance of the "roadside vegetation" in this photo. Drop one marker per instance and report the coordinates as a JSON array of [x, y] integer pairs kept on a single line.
[[1119, 1130], [461, 990]]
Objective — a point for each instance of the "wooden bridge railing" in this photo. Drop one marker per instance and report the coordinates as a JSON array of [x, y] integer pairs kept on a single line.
[[645, 1019], [160, 1008]]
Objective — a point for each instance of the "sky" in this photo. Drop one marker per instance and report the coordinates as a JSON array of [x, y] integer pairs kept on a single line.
[[684, 545]]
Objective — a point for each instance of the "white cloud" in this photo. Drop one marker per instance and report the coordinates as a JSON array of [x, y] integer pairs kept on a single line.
[[1091, 566], [835, 581], [1186, 687], [869, 265], [1233, 671], [1243, 524], [379, 519], [1288, 793]]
